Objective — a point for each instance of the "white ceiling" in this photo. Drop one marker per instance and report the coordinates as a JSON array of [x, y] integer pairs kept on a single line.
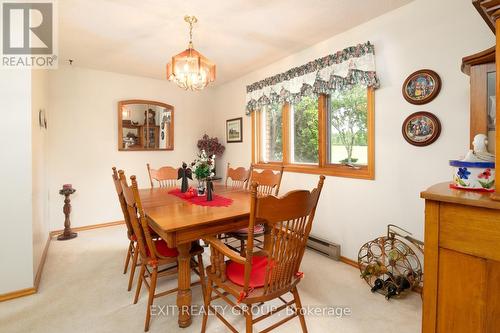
[[138, 37]]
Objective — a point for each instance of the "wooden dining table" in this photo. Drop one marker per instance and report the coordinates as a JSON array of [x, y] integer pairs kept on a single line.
[[180, 222]]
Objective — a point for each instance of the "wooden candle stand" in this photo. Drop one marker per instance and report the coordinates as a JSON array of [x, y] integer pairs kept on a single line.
[[67, 233]]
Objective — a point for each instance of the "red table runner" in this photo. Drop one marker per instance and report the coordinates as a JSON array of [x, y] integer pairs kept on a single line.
[[218, 201]]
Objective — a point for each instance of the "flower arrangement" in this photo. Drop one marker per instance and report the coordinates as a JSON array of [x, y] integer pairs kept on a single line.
[[203, 166], [211, 146]]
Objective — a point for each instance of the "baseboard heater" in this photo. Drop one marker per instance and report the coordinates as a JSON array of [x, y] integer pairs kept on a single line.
[[324, 247]]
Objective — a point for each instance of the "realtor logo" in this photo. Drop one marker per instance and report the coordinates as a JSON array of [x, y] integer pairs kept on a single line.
[[28, 34]]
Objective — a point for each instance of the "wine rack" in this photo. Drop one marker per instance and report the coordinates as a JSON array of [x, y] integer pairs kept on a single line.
[[390, 264]]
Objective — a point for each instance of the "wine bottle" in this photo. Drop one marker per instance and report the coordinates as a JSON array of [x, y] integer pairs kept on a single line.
[[390, 286], [377, 285], [403, 283], [392, 290], [400, 284]]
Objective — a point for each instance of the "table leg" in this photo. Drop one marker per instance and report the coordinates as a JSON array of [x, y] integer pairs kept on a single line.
[[184, 284]]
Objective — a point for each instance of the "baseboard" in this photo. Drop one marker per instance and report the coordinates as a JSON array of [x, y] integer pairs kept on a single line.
[[17, 294], [89, 227], [38, 275], [349, 262], [36, 282]]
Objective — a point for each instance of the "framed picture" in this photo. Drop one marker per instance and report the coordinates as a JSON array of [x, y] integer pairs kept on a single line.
[[234, 130], [421, 128], [421, 86]]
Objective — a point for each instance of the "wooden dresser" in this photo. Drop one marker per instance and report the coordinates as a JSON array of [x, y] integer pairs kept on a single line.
[[462, 262], [462, 228]]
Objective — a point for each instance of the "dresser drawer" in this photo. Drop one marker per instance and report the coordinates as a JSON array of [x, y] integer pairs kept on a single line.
[[470, 230]]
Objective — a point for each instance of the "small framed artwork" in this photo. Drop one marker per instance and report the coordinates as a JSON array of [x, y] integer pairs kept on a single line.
[[421, 128], [234, 130], [421, 86]]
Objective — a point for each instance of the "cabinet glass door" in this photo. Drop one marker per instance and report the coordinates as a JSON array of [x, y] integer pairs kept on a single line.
[[491, 102]]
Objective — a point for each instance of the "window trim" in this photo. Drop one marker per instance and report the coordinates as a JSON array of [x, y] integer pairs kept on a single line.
[[324, 167]]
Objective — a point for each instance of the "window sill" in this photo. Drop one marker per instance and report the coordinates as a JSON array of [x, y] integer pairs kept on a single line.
[[329, 170]]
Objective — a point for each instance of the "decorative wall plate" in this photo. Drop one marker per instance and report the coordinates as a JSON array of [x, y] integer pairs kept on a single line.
[[421, 128], [421, 86]]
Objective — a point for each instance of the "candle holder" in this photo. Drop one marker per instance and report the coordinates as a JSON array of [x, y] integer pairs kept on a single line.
[[67, 233]]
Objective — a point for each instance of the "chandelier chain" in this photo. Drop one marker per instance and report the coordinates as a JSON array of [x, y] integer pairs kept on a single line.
[[191, 20]]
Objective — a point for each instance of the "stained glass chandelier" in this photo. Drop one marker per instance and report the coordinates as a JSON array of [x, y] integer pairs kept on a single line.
[[189, 69]]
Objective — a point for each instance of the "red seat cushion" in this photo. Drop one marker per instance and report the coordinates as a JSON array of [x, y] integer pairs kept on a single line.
[[236, 272], [163, 249], [258, 229]]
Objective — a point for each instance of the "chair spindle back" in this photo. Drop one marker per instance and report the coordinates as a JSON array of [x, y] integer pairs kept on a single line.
[[269, 182], [137, 217], [123, 204], [289, 219], [237, 178], [165, 176]]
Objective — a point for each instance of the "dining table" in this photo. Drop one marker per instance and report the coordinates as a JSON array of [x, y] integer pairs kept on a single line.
[[180, 222]]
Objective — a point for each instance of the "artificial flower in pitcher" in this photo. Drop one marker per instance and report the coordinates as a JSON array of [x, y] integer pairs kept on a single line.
[[203, 167]]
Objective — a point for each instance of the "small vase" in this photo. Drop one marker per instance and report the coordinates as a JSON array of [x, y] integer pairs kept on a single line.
[[201, 187]]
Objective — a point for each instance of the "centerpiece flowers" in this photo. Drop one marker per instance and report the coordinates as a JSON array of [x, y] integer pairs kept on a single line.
[[203, 167], [212, 148]]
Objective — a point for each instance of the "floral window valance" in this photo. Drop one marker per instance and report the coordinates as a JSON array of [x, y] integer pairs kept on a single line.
[[352, 66]]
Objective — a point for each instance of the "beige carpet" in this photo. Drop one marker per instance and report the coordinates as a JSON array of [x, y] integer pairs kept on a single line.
[[83, 290]]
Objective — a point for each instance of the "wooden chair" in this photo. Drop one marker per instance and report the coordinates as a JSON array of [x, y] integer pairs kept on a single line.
[[154, 253], [132, 253], [269, 184], [237, 178], [269, 181], [165, 176], [268, 274]]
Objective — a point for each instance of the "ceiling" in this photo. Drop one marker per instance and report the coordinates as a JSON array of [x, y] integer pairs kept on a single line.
[[138, 37]]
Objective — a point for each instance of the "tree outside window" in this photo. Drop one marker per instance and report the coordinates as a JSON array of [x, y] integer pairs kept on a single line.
[[347, 117], [272, 143], [305, 131]]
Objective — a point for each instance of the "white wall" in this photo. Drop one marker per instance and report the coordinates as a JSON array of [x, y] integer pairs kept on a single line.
[[16, 265], [83, 138], [40, 192], [423, 34]]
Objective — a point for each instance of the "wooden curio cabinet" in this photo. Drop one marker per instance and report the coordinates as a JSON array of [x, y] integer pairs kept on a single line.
[[481, 68], [462, 228], [150, 136]]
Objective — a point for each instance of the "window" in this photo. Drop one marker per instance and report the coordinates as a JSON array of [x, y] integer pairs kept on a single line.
[[329, 134], [272, 133], [304, 127], [347, 127]]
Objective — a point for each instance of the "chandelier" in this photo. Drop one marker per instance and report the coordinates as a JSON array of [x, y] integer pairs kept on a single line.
[[189, 69]]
